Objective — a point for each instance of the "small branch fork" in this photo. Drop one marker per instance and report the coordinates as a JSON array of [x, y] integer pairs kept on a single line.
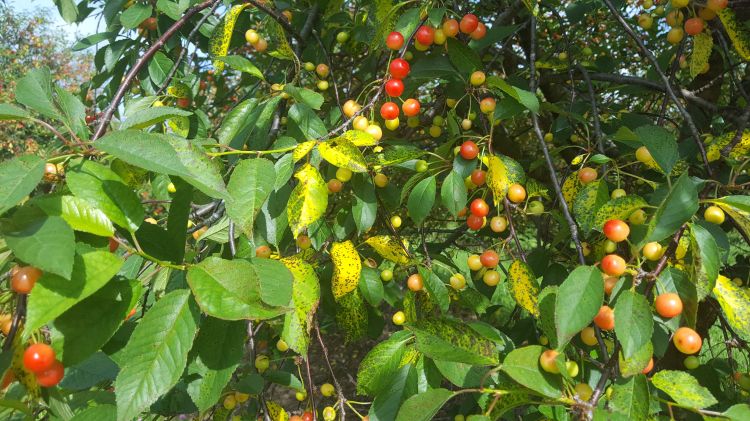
[[128, 80]]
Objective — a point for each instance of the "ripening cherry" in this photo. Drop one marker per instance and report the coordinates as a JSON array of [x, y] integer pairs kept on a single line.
[[491, 278], [605, 319], [410, 107], [487, 105], [687, 340], [394, 87], [477, 78], [398, 318], [394, 41], [479, 207], [469, 150], [389, 110], [392, 124], [350, 108], [475, 222], [474, 262], [334, 185], [652, 251], [303, 242], [51, 376], [360, 122], [717, 5], [399, 68], [587, 175], [322, 70], [468, 23], [425, 35], [498, 223], [694, 26], [609, 284], [588, 336], [516, 193], [457, 281], [668, 305], [584, 391], [415, 282], [38, 357], [479, 33], [440, 37], [547, 361], [714, 215], [489, 259], [24, 279], [264, 252], [450, 28], [649, 366], [478, 177], [616, 230], [613, 265]]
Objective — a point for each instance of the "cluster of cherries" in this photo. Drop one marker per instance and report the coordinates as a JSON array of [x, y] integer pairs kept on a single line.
[[676, 19], [41, 360]]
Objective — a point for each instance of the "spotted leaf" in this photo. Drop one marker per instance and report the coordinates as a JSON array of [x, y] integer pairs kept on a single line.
[[524, 287], [302, 150], [389, 248], [347, 267], [343, 154], [305, 298], [357, 137], [740, 36], [619, 208], [735, 301], [683, 388], [570, 188], [502, 172], [351, 315], [587, 202], [308, 201], [222, 35], [702, 45], [449, 339], [740, 151], [737, 207]]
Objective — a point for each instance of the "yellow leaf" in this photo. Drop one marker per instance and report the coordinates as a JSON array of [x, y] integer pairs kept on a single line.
[[570, 188], [222, 35], [502, 172], [739, 36], [523, 286], [389, 248], [276, 412], [735, 301], [347, 267], [358, 138], [738, 152], [351, 315], [702, 45], [343, 154], [308, 200], [305, 296], [179, 90], [180, 125], [302, 150], [278, 36]]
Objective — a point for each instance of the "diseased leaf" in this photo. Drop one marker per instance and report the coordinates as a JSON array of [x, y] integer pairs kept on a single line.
[[351, 315], [452, 340], [703, 43], [737, 207], [389, 248], [305, 298], [222, 35], [343, 154], [683, 388], [704, 268], [346, 268], [635, 364], [630, 398], [524, 287], [735, 302], [381, 363], [503, 171], [587, 202], [308, 201], [619, 208]]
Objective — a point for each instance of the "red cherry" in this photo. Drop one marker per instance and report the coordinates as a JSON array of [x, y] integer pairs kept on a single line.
[[475, 222], [613, 265], [113, 245], [399, 68], [480, 32], [694, 26], [38, 357], [478, 177], [410, 107], [394, 41], [51, 376], [489, 259], [394, 87], [425, 35], [616, 230], [469, 150], [389, 111], [479, 207], [468, 23]]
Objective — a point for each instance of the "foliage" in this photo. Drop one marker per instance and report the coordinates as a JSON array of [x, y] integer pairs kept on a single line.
[[218, 230]]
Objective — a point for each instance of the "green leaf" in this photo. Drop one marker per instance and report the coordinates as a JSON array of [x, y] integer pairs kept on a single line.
[[242, 64], [343, 154], [166, 154], [452, 340], [587, 202], [313, 99], [53, 294], [305, 298], [436, 287], [249, 187], [35, 91], [18, 177], [735, 302], [147, 117], [453, 193], [463, 58], [394, 155], [704, 268], [431, 67], [233, 289], [423, 406], [634, 324], [738, 412], [218, 349], [308, 200], [578, 301], [525, 98], [134, 15], [637, 362], [421, 199], [524, 287], [68, 10], [105, 190], [619, 208], [74, 112], [159, 67], [683, 388], [630, 398], [308, 123], [365, 206], [156, 354], [78, 213], [235, 120], [677, 207], [522, 365], [382, 363], [11, 112], [97, 413], [46, 242], [662, 145], [370, 286], [88, 325]]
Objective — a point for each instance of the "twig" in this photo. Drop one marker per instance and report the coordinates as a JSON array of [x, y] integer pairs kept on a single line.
[[133, 72], [608, 370], [540, 137], [311, 387], [15, 324], [740, 131], [650, 56], [342, 399], [599, 137], [512, 228]]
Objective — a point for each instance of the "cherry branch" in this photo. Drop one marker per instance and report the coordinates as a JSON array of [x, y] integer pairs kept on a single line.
[[668, 86], [599, 137], [511, 226], [281, 19], [133, 72]]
